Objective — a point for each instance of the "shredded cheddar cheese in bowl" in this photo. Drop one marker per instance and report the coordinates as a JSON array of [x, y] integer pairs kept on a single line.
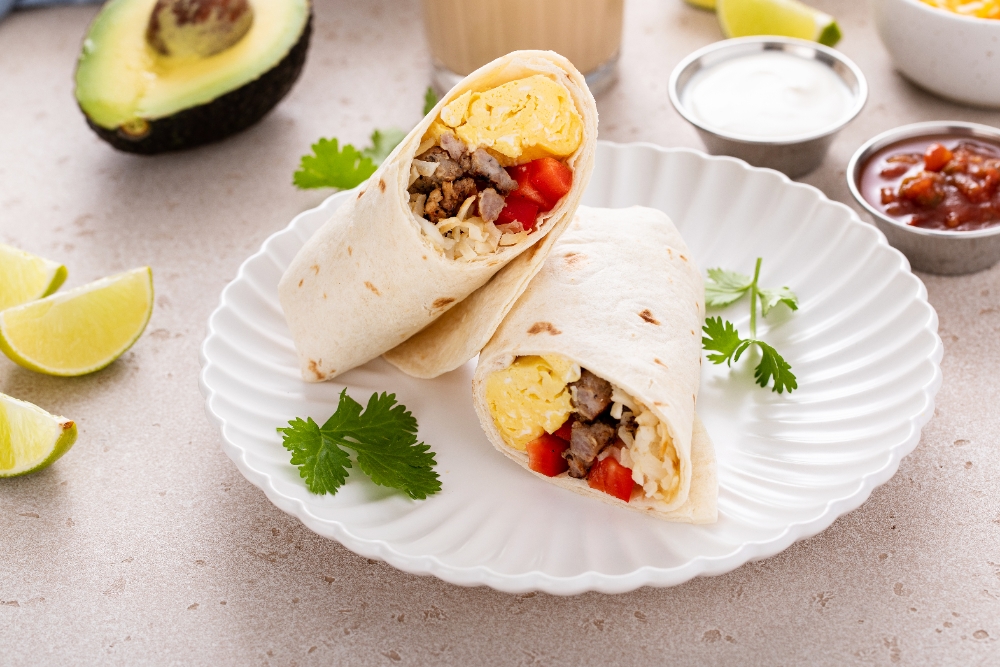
[[984, 9]]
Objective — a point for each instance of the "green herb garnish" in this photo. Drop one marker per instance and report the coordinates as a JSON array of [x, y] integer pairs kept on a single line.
[[722, 339], [430, 99], [343, 167], [331, 166], [384, 438]]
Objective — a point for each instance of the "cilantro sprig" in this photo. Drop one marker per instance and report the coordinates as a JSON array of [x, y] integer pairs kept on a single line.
[[723, 341], [331, 165], [383, 437], [430, 100]]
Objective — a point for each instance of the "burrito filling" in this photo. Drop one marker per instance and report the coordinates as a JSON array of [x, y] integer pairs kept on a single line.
[[571, 422], [493, 164]]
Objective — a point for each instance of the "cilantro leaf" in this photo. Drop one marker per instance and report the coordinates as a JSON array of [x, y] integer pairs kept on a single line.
[[383, 141], [769, 298], [430, 100], [724, 340], [725, 287], [321, 462], [773, 365], [384, 438], [331, 166]]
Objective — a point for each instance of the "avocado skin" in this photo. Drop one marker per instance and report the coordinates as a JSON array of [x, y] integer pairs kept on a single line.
[[222, 117]]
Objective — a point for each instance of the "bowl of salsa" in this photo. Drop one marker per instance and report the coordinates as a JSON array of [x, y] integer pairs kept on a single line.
[[934, 191]]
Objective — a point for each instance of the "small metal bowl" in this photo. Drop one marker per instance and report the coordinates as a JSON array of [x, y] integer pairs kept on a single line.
[[931, 250], [795, 156]]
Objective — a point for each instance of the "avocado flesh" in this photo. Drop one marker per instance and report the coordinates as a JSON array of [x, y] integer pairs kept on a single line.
[[148, 101]]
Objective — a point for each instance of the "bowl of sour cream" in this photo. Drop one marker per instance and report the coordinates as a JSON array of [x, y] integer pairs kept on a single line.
[[773, 101]]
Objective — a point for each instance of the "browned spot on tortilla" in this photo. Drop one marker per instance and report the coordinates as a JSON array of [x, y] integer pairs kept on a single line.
[[693, 333], [539, 327], [350, 251], [314, 367], [373, 288], [442, 302], [658, 404], [324, 295], [424, 256], [301, 280], [360, 192], [572, 258], [381, 185], [315, 268], [684, 258], [660, 363], [648, 317]]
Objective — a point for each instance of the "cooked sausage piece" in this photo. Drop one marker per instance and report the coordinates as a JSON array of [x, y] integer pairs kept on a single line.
[[486, 166], [590, 395], [490, 205], [453, 145], [455, 193], [586, 442]]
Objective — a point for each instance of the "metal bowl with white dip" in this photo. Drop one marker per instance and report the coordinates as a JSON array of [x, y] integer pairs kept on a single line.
[[775, 102]]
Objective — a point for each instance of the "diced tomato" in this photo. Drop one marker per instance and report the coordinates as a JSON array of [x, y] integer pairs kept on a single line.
[[936, 157], [552, 178], [545, 455], [519, 209], [612, 478], [566, 430], [924, 189], [525, 188]]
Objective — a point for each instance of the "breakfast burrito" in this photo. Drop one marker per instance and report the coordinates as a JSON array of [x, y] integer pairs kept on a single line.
[[592, 378], [496, 168]]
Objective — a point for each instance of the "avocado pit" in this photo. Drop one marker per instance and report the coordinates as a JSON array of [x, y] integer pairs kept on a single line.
[[197, 28]]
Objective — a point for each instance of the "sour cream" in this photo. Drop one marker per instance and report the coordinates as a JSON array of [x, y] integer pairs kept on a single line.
[[771, 95]]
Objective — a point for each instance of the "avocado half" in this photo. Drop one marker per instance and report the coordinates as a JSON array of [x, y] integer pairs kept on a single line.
[[143, 102]]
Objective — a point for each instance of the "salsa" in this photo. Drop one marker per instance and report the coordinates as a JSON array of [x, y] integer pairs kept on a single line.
[[936, 183]]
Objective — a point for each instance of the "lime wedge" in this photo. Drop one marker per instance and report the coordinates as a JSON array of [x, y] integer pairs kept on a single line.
[[788, 18], [30, 438], [25, 277], [81, 330]]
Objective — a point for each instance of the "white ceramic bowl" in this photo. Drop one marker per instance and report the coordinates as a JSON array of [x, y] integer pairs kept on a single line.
[[954, 56]]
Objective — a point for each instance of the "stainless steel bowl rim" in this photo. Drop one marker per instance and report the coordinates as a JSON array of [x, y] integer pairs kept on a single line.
[[913, 131], [738, 44]]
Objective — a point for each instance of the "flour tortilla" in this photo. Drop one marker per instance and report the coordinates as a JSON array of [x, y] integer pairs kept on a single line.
[[620, 295], [369, 279]]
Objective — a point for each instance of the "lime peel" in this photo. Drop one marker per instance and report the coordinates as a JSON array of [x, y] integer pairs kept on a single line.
[[31, 438]]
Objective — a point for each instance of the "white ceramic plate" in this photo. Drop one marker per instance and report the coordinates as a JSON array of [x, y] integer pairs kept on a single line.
[[864, 346]]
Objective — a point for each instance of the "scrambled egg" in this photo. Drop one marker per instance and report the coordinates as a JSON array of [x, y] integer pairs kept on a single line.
[[517, 122], [530, 396]]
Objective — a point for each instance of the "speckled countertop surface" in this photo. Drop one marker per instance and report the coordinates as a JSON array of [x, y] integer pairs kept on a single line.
[[144, 545]]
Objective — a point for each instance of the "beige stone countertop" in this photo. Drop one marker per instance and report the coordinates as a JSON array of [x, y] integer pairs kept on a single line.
[[145, 545]]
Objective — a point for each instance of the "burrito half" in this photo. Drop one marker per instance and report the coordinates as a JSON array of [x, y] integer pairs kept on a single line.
[[591, 381], [496, 167]]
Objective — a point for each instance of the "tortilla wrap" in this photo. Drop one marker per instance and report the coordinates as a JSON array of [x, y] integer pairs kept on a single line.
[[369, 279], [619, 295]]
